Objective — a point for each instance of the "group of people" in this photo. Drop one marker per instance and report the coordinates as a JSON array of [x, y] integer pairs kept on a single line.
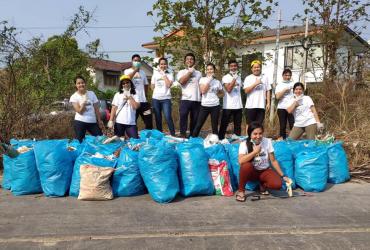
[[201, 98]]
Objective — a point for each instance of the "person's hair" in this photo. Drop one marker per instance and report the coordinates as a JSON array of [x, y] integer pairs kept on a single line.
[[297, 84], [287, 71], [251, 127], [135, 55], [211, 64], [189, 54], [133, 90], [163, 59], [232, 61], [79, 77]]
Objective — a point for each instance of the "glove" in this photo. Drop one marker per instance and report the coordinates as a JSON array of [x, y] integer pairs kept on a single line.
[[110, 124], [320, 126], [85, 100], [235, 76], [162, 73], [299, 99], [126, 94]]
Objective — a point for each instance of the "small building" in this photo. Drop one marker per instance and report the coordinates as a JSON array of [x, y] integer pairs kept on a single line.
[[106, 73], [291, 52]]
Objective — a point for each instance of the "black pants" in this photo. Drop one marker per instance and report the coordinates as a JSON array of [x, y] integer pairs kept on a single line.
[[255, 115], [186, 108], [81, 128], [285, 117], [145, 112], [203, 114], [237, 115]]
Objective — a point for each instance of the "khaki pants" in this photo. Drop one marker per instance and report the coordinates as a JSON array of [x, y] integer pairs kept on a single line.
[[297, 132]]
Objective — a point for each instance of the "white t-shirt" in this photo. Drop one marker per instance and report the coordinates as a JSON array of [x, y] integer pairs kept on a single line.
[[89, 115], [284, 100], [161, 91], [190, 90], [257, 97], [139, 80], [232, 100], [210, 99], [303, 115], [261, 161], [126, 113]]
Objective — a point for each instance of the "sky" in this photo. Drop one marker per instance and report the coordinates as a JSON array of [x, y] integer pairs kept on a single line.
[[122, 25]]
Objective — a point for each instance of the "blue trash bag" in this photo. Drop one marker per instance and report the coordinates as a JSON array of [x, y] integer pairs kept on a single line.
[[284, 156], [55, 165], [7, 166], [89, 159], [158, 167], [233, 153], [194, 175], [153, 134], [22, 142], [338, 164], [98, 147], [297, 146], [127, 180], [311, 169], [23, 174], [196, 140]]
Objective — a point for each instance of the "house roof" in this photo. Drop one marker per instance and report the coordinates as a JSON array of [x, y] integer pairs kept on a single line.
[[103, 64], [268, 35]]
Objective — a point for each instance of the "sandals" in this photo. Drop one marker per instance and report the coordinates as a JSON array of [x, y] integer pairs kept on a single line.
[[264, 191], [240, 196]]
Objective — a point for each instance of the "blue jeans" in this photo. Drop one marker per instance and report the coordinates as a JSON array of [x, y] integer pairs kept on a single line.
[[166, 106]]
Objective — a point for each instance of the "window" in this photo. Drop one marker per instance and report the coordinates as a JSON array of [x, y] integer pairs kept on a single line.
[[111, 78], [294, 57]]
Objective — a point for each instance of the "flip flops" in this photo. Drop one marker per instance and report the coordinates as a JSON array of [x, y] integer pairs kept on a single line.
[[240, 196]]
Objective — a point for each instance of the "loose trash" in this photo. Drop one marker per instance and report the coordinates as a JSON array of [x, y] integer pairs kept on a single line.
[[95, 184]]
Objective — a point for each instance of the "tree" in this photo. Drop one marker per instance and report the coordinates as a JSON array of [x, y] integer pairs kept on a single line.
[[36, 73], [206, 28], [330, 19]]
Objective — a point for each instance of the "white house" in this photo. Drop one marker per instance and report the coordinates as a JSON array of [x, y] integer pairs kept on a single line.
[[106, 73], [291, 52]]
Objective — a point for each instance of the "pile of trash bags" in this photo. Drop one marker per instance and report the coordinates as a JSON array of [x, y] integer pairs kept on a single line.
[[160, 165]]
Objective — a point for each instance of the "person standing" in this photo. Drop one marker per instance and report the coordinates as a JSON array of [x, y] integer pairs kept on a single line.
[[210, 89], [232, 102], [124, 105], [283, 93], [306, 118], [139, 79], [258, 89], [86, 105], [190, 98], [161, 83]]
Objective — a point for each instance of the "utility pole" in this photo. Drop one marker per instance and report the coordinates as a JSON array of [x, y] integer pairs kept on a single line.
[[305, 46], [276, 62]]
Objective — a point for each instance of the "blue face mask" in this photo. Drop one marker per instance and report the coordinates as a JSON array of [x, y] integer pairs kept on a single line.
[[136, 64], [286, 81]]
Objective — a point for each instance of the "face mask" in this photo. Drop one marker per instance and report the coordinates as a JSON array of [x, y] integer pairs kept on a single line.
[[136, 64], [255, 142], [286, 81]]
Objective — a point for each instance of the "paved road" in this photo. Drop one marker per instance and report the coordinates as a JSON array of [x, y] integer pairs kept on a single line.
[[338, 218]]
